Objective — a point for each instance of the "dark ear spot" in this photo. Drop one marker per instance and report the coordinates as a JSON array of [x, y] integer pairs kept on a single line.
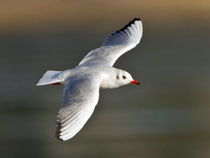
[[124, 77], [117, 77]]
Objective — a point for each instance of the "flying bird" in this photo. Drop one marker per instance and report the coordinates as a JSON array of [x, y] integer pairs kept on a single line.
[[95, 71]]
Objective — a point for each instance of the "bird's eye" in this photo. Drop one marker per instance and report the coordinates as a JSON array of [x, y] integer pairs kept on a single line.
[[117, 77], [124, 77]]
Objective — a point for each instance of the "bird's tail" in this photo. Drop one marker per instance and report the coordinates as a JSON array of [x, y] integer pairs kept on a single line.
[[52, 77]]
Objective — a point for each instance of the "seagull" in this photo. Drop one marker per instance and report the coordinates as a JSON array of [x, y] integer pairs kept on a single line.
[[95, 71]]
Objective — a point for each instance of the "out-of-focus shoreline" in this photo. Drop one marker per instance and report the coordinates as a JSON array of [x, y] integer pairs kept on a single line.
[[41, 16]]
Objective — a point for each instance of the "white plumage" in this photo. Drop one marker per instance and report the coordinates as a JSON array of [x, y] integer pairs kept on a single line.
[[95, 71]]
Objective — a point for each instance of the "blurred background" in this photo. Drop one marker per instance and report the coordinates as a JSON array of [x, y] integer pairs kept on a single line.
[[168, 116]]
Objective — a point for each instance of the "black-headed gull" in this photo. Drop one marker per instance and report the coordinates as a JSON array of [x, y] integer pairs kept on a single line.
[[95, 71]]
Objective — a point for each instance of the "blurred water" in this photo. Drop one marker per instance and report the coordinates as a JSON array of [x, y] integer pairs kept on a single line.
[[166, 117]]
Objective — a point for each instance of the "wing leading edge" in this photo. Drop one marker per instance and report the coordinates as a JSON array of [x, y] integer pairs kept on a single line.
[[116, 44]]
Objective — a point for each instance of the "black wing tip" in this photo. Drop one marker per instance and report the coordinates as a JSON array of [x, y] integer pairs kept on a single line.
[[136, 19], [57, 133], [129, 24]]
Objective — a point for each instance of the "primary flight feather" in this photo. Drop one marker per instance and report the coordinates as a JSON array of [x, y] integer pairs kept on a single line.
[[95, 71]]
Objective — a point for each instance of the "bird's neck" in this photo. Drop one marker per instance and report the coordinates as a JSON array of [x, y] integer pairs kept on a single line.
[[109, 80]]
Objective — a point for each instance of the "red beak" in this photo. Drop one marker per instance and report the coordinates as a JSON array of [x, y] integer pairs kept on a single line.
[[135, 82]]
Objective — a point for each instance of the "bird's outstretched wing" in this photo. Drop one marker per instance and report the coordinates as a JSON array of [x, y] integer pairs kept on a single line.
[[116, 44], [79, 100]]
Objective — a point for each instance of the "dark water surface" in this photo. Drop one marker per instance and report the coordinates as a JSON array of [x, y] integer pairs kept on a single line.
[[168, 116]]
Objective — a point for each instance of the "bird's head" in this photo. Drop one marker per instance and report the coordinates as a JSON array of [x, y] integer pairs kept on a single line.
[[123, 78]]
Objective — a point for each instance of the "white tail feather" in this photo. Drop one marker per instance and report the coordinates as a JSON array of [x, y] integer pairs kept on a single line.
[[51, 77]]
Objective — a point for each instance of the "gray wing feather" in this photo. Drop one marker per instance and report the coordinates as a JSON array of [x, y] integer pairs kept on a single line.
[[116, 44], [79, 100]]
